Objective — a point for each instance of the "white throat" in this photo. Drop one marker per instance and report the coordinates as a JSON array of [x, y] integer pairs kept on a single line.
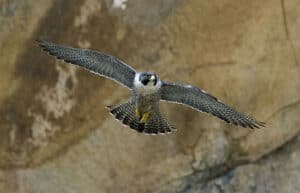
[[146, 89]]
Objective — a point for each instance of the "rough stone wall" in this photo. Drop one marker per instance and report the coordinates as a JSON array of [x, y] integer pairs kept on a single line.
[[56, 135]]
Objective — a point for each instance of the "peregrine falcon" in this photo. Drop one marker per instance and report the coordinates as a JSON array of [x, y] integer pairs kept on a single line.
[[141, 112]]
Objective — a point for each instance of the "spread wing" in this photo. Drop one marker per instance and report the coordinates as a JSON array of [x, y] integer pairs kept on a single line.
[[202, 101], [96, 62]]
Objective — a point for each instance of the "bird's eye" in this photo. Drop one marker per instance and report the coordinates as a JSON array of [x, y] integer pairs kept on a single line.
[[144, 79]]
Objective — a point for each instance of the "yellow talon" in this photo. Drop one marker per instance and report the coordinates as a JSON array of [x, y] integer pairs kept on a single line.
[[145, 117], [137, 113]]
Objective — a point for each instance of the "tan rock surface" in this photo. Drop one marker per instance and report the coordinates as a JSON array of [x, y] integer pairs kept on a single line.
[[56, 135], [276, 173]]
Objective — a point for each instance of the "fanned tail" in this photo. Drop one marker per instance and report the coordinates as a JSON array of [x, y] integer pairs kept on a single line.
[[158, 124], [125, 113]]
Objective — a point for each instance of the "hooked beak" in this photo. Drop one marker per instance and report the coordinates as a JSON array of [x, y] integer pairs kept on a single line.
[[152, 78], [148, 78]]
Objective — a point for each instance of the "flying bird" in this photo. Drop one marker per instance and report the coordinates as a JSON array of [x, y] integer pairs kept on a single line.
[[141, 112]]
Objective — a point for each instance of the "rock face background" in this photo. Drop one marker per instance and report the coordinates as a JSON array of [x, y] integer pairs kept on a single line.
[[56, 135]]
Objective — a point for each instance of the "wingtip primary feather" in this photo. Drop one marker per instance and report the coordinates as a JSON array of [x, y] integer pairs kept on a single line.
[[41, 42], [253, 125], [261, 124], [38, 41]]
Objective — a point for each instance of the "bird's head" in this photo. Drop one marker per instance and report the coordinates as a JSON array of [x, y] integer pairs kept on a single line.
[[148, 79]]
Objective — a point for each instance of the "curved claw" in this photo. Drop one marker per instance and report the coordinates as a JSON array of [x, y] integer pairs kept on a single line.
[[138, 114], [145, 117]]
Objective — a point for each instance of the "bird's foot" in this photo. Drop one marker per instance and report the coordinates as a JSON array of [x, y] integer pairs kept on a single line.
[[138, 114], [145, 117]]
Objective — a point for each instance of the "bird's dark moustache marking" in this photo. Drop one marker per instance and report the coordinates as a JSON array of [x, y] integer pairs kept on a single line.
[[155, 81], [144, 79]]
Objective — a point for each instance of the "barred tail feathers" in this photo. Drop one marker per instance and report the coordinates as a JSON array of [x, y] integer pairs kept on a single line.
[[158, 124], [125, 113]]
